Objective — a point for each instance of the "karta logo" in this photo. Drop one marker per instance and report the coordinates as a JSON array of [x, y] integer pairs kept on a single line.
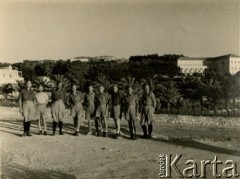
[[192, 168]]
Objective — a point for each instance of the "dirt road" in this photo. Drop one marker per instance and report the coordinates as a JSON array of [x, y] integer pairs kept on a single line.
[[69, 157]]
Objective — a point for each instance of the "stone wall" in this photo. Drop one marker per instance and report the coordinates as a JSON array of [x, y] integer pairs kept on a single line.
[[199, 120]]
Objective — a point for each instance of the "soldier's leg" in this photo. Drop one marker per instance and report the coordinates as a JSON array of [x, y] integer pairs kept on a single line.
[[97, 123], [130, 128], [60, 117], [134, 129], [54, 116], [31, 111], [150, 121], [38, 117], [143, 125], [44, 119], [75, 121]]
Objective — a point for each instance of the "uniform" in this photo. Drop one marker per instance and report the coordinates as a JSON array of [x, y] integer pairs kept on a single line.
[[131, 102], [75, 101], [58, 109], [116, 105], [41, 105], [101, 105], [58, 106], [148, 106], [90, 109], [102, 100], [90, 105], [27, 98], [130, 111]]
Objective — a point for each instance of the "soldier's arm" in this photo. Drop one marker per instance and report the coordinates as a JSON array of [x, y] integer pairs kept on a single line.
[[20, 102], [154, 101]]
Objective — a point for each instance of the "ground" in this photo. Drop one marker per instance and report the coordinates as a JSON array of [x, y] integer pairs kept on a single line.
[[70, 157]]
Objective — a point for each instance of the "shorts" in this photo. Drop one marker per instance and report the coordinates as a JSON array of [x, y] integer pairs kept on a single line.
[[77, 110], [90, 112], [130, 113], [101, 111], [115, 114], [41, 111], [148, 114], [28, 110], [58, 110]]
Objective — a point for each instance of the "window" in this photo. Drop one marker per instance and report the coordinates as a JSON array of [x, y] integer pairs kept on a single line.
[[10, 75], [3, 75]]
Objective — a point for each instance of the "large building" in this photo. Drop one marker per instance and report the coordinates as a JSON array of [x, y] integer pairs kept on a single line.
[[226, 64], [9, 75]]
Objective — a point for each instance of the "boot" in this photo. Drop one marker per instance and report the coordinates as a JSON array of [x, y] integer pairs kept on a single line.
[[75, 122], [24, 129], [150, 127], [60, 127], [97, 127], [28, 128], [54, 124], [144, 128], [130, 129], [89, 127]]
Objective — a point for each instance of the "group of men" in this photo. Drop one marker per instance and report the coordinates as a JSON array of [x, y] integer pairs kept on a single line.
[[97, 106]]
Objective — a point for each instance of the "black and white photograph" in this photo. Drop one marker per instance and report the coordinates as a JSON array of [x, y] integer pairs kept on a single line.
[[133, 89]]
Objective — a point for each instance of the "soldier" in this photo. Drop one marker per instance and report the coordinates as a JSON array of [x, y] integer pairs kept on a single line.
[[27, 107], [90, 107], [75, 100], [102, 100], [116, 112], [41, 109], [148, 106], [130, 108], [58, 107]]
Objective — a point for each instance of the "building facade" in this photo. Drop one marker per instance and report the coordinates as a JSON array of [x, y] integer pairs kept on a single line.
[[9, 75], [226, 64]]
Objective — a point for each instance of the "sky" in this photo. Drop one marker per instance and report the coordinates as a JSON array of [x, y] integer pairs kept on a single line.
[[60, 29]]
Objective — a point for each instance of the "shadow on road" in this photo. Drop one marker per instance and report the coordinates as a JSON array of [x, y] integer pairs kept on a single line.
[[201, 146], [12, 172]]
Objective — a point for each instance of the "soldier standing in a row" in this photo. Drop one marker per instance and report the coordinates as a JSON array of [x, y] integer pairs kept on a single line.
[[90, 107], [41, 109], [148, 106], [102, 100], [131, 110], [75, 100], [27, 107], [58, 107], [116, 113]]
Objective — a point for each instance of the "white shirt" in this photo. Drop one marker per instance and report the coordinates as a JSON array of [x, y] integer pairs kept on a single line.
[[41, 98]]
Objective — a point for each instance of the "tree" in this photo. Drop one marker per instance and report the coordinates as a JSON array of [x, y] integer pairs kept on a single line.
[[45, 82], [169, 94], [229, 89], [60, 78], [212, 90], [102, 80], [7, 89]]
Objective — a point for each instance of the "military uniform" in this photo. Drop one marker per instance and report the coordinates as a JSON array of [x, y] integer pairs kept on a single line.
[[101, 105], [41, 105], [148, 106], [102, 100], [116, 105], [130, 112], [58, 109], [90, 108], [75, 101], [41, 110], [27, 96]]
